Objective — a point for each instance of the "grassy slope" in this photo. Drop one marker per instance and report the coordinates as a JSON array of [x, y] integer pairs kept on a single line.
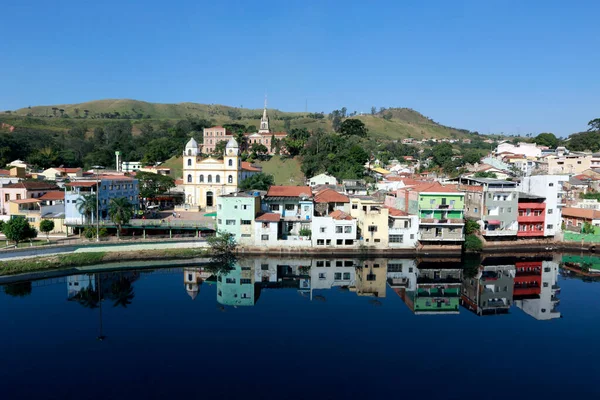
[[404, 123], [285, 171], [176, 165]]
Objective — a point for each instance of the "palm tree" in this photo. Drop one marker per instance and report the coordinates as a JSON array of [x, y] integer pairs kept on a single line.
[[122, 292], [88, 297], [120, 212], [86, 205]]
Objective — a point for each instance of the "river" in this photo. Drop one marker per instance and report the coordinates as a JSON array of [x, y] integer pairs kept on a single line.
[[501, 327]]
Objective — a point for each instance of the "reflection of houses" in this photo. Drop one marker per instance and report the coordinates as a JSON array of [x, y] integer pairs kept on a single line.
[[192, 279], [371, 278], [236, 288], [401, 275], [76, 283], [538, 290], [490, 291], [437, 288]]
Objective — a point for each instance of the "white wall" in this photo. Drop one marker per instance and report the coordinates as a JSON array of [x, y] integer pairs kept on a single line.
[[329, 225], [260, 229], [413, 230]]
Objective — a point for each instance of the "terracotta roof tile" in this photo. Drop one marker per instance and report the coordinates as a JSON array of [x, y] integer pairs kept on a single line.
[[340, 215], [26, 201], [56, 195], [394, 212], [289, 191], [246, 166], [330, 196], [32, 185], [4, 172], [68, 170], [580, 213], [268, 217], [81, 184]]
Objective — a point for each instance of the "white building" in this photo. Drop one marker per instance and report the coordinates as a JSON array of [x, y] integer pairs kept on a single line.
[[328, 273], [336, 230], [131, 166], [402, 274], [550, 187], [403, 229], [544, 307], [322, 179], [526, 149], [266, 229]]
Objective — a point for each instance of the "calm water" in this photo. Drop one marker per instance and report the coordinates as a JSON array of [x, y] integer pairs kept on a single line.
[[305, 328]]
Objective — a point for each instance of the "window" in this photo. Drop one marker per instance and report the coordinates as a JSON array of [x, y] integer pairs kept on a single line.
[[274, 207], [328, 242], [551, 184], [230, 162], [348, 229], [265, 225], [501, 209], [346, 276], [246, 222], [220, 206], [230, 179], [371, 277], [218, 179], [245, 206], [509, 209], [377, 240], [220, 221], [339, 242], [348, 263], [549, 226], [337, 276], [339, 263], [264, 237], [328, 263], [245, 281], [412, 235], [549, 211], [7, 197], [103, 187], [476, 209], [117, 187], [320, 263], [354, 206], [396, 238], [190, 178], [322, 275], [410, 269], [229, 280], [230, 222], [264, 267], [110, 187], [306, 208], [320, 242], [339, 229], [372, 228], [189, 162], [322, 229], [209, 179], [246, 235], [290, 207]]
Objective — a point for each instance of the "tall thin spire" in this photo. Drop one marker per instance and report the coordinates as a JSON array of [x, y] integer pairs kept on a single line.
[[264, 121]]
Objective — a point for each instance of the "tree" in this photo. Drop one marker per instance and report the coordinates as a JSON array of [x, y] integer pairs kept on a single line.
[[343, 112], [259, 150], [588, 228], [442, 154], [47, 226], [20, 289], [120, 211], [473, 243], [471, 157], [222, 249], [585, 141], [484, 174], [122, 292], [152, 185], [388, 116], [86, 205], [353, 127], [471, 226], [219, 151], [259, 181], [594, 125], [546, 139], [296, 140], [18, 229], [373, 110]]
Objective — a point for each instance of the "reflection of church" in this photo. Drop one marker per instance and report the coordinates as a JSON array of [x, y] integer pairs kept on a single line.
[[205, 179]]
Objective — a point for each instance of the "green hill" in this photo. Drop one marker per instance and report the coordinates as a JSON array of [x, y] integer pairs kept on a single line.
[[393, 123]]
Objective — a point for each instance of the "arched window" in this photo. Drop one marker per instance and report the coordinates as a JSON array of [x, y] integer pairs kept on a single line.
[[210, 141], [201, 178], [230, 179], [218, 179], [189, 162], [189, 152], [189, 178], [210, 179], [230, 162]]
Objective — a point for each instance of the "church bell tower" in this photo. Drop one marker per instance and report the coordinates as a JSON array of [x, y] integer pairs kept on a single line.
[[264, 121]]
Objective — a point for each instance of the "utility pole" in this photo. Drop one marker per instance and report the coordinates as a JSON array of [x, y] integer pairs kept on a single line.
[[97, 208]]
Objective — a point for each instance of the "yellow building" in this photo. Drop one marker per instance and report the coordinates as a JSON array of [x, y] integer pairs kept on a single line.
[[34, 210], [205, 179], [572, 163], [371, 220], [371, 278]]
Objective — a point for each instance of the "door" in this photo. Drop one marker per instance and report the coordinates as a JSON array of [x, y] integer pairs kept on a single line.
[[209, 199], [443, 201]]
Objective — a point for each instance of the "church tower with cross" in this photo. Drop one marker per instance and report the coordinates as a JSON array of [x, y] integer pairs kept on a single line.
[[264, 121]]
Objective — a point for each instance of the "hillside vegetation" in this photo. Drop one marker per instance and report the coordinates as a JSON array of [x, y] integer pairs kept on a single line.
[[393, 123]]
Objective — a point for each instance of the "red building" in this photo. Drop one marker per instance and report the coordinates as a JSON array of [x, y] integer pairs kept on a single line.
[[528, 280], [532, 215]]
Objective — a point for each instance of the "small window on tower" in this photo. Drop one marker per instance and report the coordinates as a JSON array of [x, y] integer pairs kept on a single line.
[[231, 163]]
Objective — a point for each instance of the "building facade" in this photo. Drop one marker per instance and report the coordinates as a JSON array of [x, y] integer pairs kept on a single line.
[[551, 188], [236, 213]]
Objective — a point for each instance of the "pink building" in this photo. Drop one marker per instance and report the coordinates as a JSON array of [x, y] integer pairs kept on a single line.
[[23, 190]]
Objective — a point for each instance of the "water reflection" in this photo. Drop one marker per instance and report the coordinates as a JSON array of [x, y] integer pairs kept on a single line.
[[491, 286]]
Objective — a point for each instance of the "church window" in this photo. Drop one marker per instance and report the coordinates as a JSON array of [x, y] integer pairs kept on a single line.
[[210, 141], [210, 179], [230, 179], [218, 178], [201, 178], [189, 152], [189, 162], [189, 178], [230, 162]]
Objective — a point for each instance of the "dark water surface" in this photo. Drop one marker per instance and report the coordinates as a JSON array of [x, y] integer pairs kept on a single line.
[[301, 329]]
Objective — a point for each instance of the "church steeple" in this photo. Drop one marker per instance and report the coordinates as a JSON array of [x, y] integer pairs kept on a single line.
[[264, 121]]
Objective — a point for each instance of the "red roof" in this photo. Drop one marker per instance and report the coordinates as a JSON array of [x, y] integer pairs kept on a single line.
[[434, 187], [32, 185], [584, 213], [4, 172], [584, 177], [330, 196], [246, 166], [56, 195], [82, 184], [289, 191], [178, 181], [470, 188], [68, 170], [25, 201], [340, 215], [394, 212], [269, 217]]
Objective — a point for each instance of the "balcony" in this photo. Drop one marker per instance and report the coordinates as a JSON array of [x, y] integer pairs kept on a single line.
[[533, 233], [531, 218], [500, 232], [449, 221]]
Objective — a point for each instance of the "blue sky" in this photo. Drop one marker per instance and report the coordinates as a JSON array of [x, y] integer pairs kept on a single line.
[[491, 66]]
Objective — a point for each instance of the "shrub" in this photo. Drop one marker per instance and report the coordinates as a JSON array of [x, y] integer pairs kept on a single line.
[[471, 226], [473, 243], [305, 232]]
